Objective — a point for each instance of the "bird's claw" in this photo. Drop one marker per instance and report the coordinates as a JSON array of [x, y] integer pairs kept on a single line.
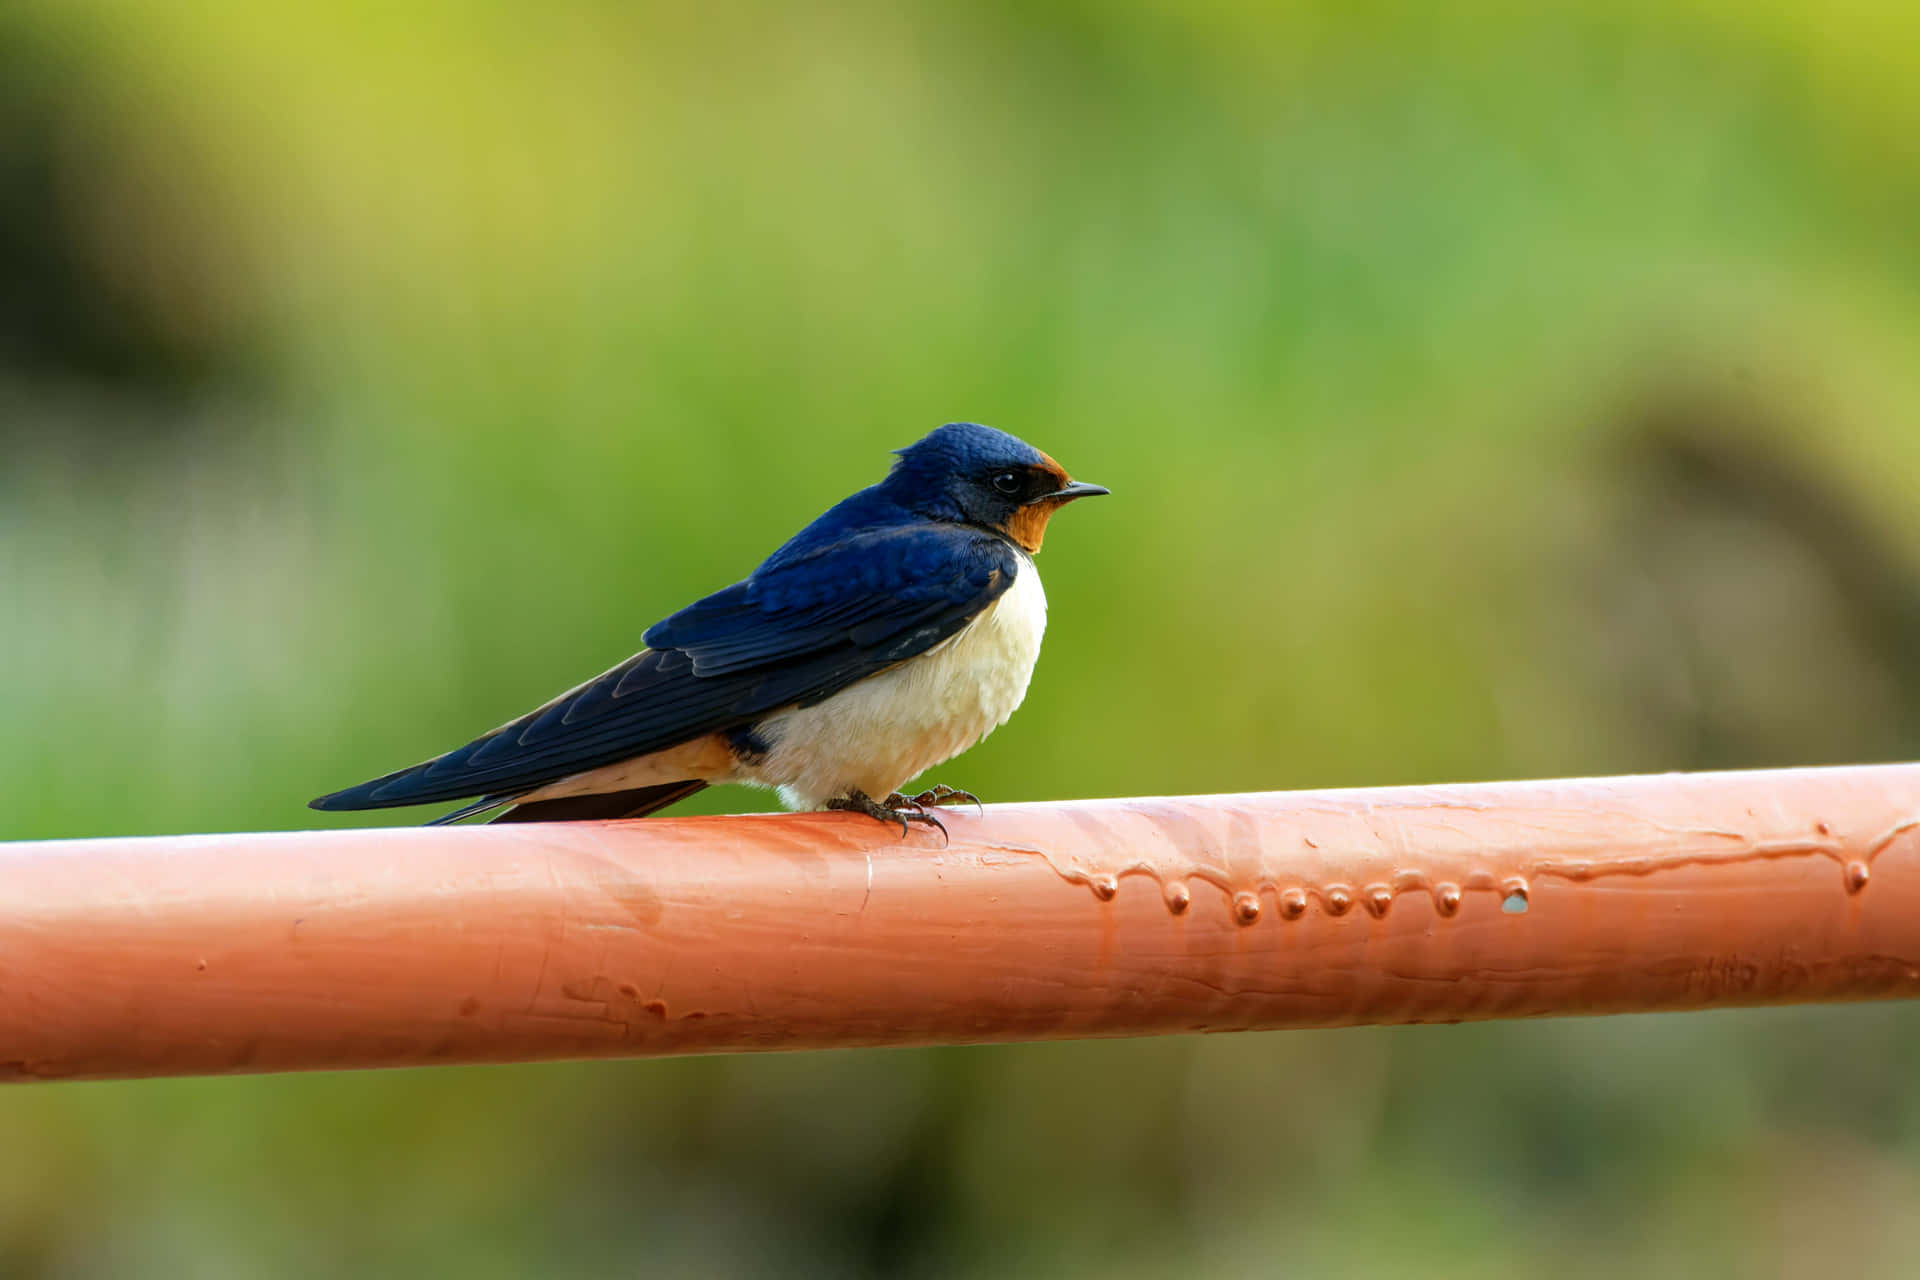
[[940, 793], [895, 808], [913, 809]]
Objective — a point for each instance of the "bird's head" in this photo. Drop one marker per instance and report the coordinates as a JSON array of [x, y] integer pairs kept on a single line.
[[977, 475]]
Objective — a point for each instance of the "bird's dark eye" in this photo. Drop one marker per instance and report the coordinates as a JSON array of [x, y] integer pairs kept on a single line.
[[1007, 482]]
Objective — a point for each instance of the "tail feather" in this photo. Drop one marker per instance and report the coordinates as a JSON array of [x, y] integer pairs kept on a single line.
[[636, 802], [481, 805]]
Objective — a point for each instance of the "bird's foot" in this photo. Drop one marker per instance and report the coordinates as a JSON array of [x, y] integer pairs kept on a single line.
[[940, 793], [895, 808]]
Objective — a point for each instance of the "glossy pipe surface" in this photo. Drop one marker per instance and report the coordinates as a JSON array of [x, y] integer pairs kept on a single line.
[[411, 946]]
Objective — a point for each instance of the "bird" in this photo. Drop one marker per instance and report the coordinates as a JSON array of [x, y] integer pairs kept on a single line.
[[886, 637]]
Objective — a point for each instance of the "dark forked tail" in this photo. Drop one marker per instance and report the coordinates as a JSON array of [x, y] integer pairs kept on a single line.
[[635, 803]]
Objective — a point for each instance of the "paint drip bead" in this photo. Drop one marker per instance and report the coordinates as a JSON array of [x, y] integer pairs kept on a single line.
[[1513, 896]]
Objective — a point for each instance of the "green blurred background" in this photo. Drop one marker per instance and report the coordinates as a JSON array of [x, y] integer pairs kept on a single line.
[[1488, 392]]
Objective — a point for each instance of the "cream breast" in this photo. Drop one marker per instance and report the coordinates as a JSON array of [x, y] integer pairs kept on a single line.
[[876, 735]]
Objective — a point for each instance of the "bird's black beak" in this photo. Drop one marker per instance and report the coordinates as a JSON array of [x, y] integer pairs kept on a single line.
[[1074, 489]]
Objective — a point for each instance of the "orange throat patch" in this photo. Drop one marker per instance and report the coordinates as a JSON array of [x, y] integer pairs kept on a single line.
[[1028, 526]]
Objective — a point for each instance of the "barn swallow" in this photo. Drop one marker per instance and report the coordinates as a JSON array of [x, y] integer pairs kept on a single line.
[[883, 639]]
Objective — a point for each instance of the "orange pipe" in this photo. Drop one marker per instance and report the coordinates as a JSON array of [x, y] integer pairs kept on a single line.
[[398, 947]]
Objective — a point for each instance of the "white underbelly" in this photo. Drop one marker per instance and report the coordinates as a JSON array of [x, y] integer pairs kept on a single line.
[[876, 735]]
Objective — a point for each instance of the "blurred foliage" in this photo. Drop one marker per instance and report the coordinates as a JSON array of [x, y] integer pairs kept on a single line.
[[1488, 391]]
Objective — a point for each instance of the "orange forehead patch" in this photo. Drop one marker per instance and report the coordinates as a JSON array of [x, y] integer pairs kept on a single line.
[[1058, 472]]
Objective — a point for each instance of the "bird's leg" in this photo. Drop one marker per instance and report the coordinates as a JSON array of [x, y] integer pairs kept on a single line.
[[941, 793], [895, 808]]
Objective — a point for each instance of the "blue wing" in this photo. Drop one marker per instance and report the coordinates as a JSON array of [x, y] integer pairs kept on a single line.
[[800, 629]]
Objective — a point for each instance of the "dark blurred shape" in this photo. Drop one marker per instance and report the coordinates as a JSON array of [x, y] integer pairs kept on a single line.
[[1763, 614], [66, 314]]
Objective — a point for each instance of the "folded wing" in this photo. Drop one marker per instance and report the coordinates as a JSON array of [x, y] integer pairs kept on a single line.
[[794, 633]]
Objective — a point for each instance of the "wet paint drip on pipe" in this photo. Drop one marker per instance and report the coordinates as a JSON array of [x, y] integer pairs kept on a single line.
[[1245, 901]]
